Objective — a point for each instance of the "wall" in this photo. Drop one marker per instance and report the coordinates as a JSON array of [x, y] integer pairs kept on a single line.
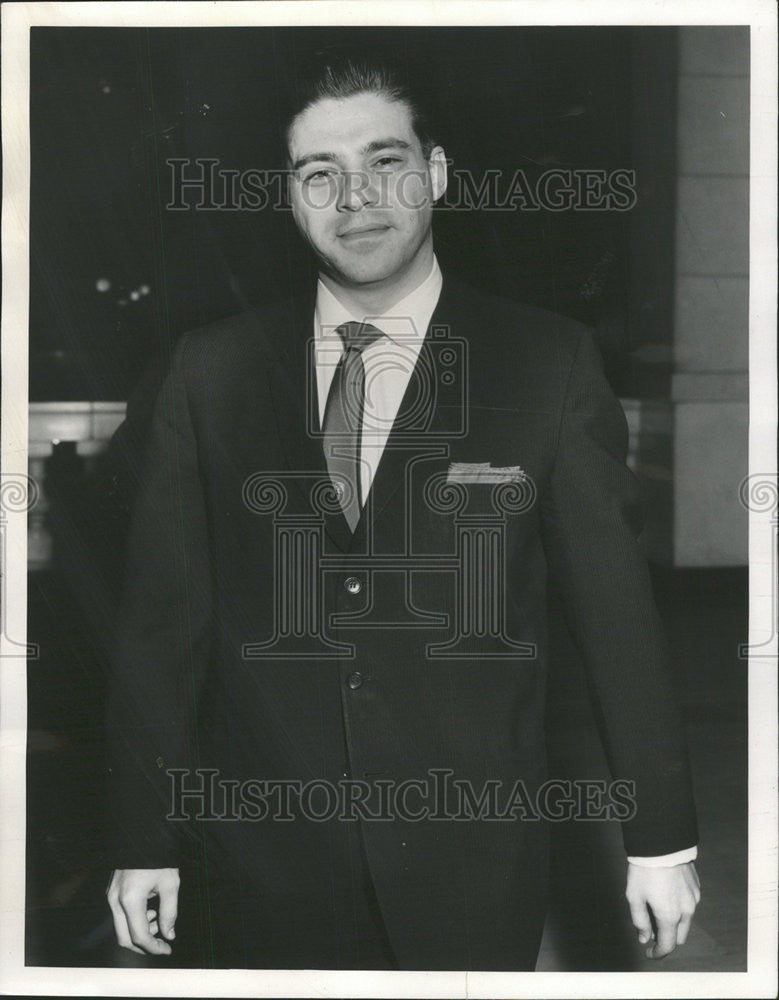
[[695, 517]]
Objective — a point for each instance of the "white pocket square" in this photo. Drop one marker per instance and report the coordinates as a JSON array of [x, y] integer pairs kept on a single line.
[[483, 472]]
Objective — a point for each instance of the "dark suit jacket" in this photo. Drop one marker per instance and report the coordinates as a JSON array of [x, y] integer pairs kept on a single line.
[[215, 556]]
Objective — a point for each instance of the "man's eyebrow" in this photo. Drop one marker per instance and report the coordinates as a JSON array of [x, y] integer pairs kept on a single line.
[[377, 144], [372, 147], [314, 157]]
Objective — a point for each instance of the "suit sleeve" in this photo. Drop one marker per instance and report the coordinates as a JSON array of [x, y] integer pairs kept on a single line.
[[591, 520], [160, 650]]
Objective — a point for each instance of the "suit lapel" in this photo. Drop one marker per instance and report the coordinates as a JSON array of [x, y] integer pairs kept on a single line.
[[295, 403], [432, 410]]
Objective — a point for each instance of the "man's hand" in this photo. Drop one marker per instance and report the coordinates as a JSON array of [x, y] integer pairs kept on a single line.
[[135, 924], [672, 895]]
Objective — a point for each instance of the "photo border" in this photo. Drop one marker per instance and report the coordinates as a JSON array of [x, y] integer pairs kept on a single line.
[[761, 977]]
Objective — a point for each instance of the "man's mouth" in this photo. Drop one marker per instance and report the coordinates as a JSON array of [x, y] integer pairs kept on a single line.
[[371, 230]]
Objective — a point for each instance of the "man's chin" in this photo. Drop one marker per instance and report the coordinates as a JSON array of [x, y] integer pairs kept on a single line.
[[363, 272]]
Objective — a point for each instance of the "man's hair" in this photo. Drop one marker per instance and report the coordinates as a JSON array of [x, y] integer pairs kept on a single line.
[[337, 73]]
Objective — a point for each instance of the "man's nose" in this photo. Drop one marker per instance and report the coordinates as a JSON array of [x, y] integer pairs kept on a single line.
[[356, 190]]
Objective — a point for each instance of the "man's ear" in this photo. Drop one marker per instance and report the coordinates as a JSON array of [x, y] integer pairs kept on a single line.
[[438, 175]]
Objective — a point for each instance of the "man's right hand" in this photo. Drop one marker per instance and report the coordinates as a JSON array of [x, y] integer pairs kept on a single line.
[[136, 925]]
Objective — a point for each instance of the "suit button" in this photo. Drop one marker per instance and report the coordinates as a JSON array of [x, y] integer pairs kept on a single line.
[[354, 680], [353, 585]]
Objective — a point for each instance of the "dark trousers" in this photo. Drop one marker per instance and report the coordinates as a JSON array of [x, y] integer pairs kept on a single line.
[[223, 924]]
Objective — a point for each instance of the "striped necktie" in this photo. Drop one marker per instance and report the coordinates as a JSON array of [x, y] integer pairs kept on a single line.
[[342, 424]]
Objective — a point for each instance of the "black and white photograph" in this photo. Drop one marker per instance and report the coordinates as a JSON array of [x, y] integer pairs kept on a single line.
[[389, 511]]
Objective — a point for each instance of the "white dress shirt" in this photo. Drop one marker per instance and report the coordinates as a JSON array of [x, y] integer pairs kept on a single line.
[[389, 362]]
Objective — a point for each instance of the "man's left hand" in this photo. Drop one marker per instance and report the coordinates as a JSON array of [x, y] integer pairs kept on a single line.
[[671, 894]]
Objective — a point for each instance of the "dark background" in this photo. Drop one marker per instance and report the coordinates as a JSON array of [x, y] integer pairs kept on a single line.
[[109, 106]]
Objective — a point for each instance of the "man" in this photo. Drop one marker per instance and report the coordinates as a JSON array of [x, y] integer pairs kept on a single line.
[[391, 628]]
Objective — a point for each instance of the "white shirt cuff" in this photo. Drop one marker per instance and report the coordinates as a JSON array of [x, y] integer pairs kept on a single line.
[[666, 860]]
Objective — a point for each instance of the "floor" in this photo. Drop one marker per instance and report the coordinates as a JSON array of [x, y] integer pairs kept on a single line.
[[588, 926]]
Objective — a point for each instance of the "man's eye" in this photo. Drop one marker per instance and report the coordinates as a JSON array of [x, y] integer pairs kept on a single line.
[[387, 161], [319, 175]]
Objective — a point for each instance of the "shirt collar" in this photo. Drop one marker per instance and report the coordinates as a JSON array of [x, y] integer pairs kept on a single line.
[[405, 322]]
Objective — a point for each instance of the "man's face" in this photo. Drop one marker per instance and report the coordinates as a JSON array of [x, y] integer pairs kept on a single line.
[[362, 192]]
